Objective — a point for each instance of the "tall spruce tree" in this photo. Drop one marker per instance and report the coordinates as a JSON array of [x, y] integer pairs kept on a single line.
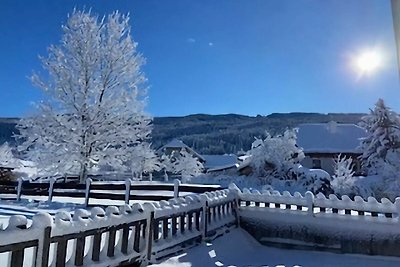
[[383, 135]]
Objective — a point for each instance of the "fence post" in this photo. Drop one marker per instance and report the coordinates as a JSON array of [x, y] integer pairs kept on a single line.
[[43, 222], [233, 189], [51, 186], [19, 189], [149, 229], [204, 216], [127, 190], [310, 202], [176, 188], [87, 192]]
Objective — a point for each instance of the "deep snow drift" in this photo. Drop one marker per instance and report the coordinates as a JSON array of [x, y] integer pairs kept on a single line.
[[238, 248]]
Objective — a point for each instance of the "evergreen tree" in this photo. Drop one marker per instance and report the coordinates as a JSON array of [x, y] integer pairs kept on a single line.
[[383, 134]]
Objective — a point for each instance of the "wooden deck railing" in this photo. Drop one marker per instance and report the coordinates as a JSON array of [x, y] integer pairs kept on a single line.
[[116, 236], [120, 190]]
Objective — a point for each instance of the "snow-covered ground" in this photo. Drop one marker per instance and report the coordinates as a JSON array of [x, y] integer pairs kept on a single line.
[[238, 248]]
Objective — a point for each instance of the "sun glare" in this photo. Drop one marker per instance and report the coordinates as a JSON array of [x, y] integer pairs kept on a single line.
[[368, 62]]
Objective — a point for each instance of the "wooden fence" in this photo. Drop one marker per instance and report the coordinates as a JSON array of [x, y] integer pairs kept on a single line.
[[122, 236], [125, 190]]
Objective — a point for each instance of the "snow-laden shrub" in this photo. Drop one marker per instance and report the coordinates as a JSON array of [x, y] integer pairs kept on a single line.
[[186, 165], [314, 180], [345, 183], [388, 184], [7, 158], [144, 160], [275, 156]]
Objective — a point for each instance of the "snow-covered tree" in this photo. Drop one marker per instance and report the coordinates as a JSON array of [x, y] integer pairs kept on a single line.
[[7, 158], [167, 165], [343, 182], [94, 112], [275, 156], [144, 160], [383, 134], [186, 165]]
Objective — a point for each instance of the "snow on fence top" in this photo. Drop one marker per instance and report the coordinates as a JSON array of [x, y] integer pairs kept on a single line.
[[114, 235], [320, 205]]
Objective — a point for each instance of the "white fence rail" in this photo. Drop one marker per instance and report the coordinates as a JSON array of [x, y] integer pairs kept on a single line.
[[115, 236], [319, 205]]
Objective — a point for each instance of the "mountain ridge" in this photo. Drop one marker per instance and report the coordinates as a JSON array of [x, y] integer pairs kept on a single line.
[[217, 134]]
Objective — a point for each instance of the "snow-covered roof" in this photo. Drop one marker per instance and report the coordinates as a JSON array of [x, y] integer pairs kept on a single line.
[[330, 137], [178, 144], [175, 143], [219, 161]]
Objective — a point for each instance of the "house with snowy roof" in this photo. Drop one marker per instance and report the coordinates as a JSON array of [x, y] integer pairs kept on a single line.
[[221, 163], [211, 163], [176, 146], [322, 142]]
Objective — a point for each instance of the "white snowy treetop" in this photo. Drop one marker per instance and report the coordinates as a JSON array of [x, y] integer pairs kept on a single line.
[[7, 158], [343, 182], [94, 112], [275, 155], [144, 159], [187, 165]]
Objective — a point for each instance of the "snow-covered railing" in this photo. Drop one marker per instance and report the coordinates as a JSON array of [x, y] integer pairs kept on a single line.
[[112, 190], [221, 208], [321, 206], [318, 222], [115, 236]]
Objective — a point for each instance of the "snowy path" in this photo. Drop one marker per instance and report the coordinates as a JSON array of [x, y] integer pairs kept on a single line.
[[239, 249]]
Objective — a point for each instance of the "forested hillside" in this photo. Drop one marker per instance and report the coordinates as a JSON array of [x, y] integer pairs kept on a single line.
[[230, 133], [216, 134]]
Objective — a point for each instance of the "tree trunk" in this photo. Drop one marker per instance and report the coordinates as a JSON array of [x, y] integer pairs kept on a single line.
[[83, 173]]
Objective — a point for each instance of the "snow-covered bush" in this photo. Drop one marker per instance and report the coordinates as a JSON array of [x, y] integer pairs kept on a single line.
[[94, 111], [144, 161], [343, 181], [275, 156], [7, 158], [275, 162], [314, 180], [186, 165]]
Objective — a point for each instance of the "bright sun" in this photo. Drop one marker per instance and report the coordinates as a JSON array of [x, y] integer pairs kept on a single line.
[[368, 62]]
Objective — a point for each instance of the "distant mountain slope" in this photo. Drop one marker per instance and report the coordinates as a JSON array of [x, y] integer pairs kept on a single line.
[[216, 134], [219, 134]]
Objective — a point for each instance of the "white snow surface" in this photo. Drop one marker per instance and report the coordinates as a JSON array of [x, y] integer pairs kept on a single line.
[[330, 137], [238, 248]]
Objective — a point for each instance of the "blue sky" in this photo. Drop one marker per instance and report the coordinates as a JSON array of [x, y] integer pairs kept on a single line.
[[227, 56]]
